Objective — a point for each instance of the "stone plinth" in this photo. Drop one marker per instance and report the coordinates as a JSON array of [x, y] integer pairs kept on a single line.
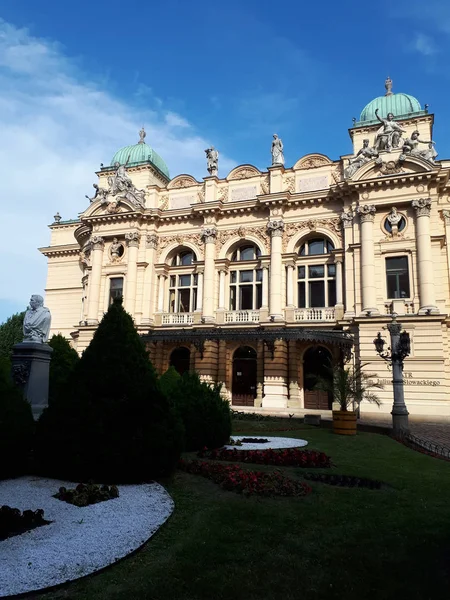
[[30, 371]]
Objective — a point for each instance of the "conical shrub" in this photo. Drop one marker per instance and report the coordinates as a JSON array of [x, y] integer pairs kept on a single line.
[[114, 423]]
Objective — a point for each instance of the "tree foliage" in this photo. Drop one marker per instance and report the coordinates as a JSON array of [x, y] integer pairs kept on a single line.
[[63, 362], [16, 425], [113, 424], [206, 415], [11, 332]]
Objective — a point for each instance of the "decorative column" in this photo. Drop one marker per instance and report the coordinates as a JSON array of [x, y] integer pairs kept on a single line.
[[369, 298], [424, 257], [290, 284], [209, 235], [339, 295], [446, 216], [350, 300], [222, 275], [97, 245], [199, 306], [294, 391], [132, 240], [147, 293], [275, 229], [161, 286]]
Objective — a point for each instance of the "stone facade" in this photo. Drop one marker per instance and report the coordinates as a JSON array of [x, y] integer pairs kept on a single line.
[[277, 261]]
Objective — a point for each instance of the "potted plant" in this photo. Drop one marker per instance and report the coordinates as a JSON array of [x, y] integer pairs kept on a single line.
[[349, 386]]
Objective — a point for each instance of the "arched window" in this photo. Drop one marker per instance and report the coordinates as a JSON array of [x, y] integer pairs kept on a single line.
[[245, 279], [183, 283], [316, 274]]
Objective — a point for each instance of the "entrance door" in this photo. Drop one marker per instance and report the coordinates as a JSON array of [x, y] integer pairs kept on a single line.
[[244, 377], [180, 359], [316, 363]]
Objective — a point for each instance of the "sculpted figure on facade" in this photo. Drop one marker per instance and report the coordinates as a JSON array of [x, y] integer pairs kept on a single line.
[[277, 151], [394, 217], [389, 134], [121, 186], [100, 194], [212, 160], [36, 324], [364, 155], [275, 227], [116, 249], [411, 147]]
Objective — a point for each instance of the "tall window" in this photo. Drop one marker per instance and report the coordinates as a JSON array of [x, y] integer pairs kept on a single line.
[[316, 286], [115, 288], [183, 283], [245, 279], [397, 277]]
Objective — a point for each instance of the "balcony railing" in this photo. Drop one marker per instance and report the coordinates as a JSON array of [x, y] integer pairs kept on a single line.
[[314, 314], [177, 319], [242, 316]]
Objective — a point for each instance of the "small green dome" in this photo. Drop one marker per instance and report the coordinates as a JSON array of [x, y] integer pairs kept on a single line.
[[400, 105], [397, 104], [140, 153]]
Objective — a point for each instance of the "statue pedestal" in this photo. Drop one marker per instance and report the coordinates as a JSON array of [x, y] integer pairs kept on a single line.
[[30, 371]]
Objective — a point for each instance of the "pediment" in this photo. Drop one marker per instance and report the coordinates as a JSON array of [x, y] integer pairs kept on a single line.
[[243, 172], [182, 181], [312, 161], [98, 207], [386, 166]]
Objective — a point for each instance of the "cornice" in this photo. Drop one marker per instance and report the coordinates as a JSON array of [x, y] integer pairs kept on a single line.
[[66, 250]]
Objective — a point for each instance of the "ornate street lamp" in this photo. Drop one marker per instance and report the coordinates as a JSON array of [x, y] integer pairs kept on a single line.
[[400, 348]]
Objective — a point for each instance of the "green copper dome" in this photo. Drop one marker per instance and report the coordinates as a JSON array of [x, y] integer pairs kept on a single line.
[[138, 154], [400, 105]]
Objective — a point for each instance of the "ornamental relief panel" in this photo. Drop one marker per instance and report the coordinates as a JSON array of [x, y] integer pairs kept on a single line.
[[244, 173], [258, 232], [180, 239], [290, 229]]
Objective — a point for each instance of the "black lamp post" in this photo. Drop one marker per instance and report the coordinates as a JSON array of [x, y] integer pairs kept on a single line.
[[399, 350]]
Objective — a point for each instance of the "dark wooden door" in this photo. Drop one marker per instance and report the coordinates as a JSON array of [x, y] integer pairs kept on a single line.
[[244, 382], [317, 400]]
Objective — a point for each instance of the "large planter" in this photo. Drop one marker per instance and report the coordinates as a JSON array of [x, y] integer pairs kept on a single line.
[[344, 422]]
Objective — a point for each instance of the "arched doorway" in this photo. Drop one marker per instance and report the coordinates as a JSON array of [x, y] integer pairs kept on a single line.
[[316, 364], [180, 359], [244, 377]]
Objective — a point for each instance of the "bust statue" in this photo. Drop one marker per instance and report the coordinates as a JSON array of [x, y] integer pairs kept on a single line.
[[36, 324]]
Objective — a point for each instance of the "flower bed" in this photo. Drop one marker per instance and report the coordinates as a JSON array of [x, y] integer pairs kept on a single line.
[[235, 479], [247, 440], [344, 480], [13, 522], [85, 494], [290, 457]]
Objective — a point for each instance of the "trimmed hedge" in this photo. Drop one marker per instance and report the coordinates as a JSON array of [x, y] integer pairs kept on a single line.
[[113, 423]]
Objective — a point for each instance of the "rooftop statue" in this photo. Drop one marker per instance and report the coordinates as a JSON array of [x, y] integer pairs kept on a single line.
[[388, 86], [36, 324], [142, 136], [277, 151], [364, 155], [389, 134], [100, 194], [121, 186], [411, 147], [212, 158]]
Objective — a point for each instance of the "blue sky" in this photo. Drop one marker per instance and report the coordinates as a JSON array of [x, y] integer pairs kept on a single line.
[[77, 81]]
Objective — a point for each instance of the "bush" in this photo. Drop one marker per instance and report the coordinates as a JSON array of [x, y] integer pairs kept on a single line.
[[16, 426], [11, 332], [13, 522], [205, 414], [63, 362], [113, 423], [169, 381], [86, 494]]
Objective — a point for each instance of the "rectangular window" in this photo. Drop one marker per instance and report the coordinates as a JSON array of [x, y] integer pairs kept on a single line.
[[258, 296], [246, 297], [183, 300], [233, 298], [245, 276], [172, 301], [316, 294], [397, 277], [331, 292], [115, 288], [233, 277], [331, 270], [184, 280], [301, 295], [301, 272], [316, 271]]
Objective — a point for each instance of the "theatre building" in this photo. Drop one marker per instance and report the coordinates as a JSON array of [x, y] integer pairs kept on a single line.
[[257, 279]]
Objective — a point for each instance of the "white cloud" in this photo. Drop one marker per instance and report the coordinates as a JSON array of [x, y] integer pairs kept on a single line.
[[424, 45], [57, 127]]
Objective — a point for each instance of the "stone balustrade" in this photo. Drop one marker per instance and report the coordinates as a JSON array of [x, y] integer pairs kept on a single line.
[[314, 314], [242, 316]]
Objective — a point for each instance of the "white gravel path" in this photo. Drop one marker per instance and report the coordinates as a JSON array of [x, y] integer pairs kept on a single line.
[[273, 443], [81, 540]]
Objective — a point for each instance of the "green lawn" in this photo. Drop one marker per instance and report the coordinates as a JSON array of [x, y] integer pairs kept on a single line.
[[335, 543]]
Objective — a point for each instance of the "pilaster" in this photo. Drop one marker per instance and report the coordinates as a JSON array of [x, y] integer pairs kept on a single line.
[[132, 239], [275, 228], [97, 245], [367, 215], [427, 295], [209, 236]]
